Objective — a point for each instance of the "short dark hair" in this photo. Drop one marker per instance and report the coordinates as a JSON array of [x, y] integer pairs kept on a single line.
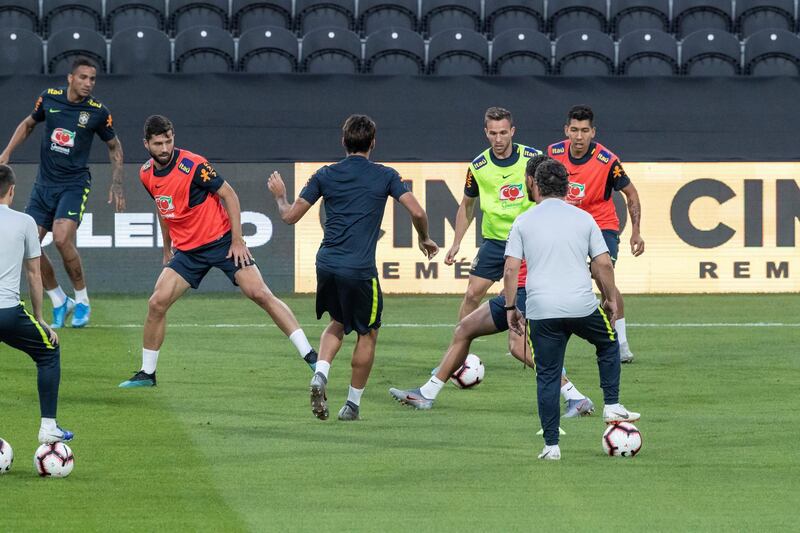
[[157, 125], [552, 178], [81, 61], [358, 132], [581, 112], [7, 179], [497, 113], [533, 164]]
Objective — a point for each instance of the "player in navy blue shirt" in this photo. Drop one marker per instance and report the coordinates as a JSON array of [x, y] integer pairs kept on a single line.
[[72, 117], [355, 191]]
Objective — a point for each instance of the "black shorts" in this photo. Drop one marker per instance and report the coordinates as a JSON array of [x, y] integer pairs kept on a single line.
[[497, 305], [49, 203], [20, 330], [490, 261], [612, 241], [195, 264], [356, 303]]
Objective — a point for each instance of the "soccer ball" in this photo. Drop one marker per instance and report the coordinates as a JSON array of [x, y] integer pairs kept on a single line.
[[622, 439], [6, 456], [470, 374], [53, 460]]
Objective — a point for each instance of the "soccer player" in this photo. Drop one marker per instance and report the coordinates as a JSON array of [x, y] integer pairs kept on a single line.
[[355, 191], [19, 246], [594, 174], [201, 226], [72, 117], [555, 239], [497, 176], [488, 319]]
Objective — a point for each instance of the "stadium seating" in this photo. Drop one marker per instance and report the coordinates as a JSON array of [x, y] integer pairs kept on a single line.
[[753, 15], [394, 51], [521, 52], [772, 53], [204, 49], [439, 15], [140, 50], [502, 15], [629, 15], [570, 15], [331, 51], [23, 14], [692, 15], [584, 53], [184, 14], [375, 15], [710, 53], [458, 52], [314, 14], [123, 14], [21, 52], [248, 14], [65, 45], [268, 49], [58, 14], [648, 53]]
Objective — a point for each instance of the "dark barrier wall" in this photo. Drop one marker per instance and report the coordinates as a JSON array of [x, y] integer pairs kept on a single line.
[[289, 118]]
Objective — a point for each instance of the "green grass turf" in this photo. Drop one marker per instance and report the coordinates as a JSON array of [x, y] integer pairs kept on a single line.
[[227, 440]]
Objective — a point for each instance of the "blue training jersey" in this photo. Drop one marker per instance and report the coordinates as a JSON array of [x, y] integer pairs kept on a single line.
[[67, 140]]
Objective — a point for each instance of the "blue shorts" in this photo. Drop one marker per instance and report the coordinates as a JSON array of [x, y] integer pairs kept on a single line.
[[499, 315], [490, 261], [612, 241], [49, 203], [195, 264], [355, 303]]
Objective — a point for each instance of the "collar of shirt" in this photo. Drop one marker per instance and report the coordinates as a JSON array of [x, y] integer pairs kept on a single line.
[[586, 157], [5, 205], [167, 169], [508, 161]]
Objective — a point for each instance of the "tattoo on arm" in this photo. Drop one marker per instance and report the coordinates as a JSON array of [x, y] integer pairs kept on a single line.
[[635, 209]]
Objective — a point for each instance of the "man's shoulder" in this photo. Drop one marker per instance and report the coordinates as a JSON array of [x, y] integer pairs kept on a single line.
[[94, 103], [603, 154], [556, 149], [480, 161], [528, 151], [23, 219]]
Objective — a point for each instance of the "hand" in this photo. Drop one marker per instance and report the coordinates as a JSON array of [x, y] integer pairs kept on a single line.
[[428, 247], [275, 185], [516, 321], [239, 252], [637, 245], [50, 333], [450, 258], [610, 307], [116, 194]]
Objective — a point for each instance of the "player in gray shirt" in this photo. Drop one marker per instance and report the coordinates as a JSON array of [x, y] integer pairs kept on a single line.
[[19, 245], [555, 238]]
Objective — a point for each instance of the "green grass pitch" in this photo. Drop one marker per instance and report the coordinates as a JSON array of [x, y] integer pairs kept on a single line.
[[227, 441]]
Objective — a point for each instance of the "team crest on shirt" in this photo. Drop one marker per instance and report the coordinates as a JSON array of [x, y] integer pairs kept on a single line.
[[186, 165], [603, 156], [557, 149], [511, 193], [83, 119], [165, 206], [576, 192]]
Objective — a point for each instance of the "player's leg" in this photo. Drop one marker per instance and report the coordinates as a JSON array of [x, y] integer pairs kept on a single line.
[[252, 285], [479, 323], [625, 354], [170, 286], [329, 344], [487, 267], [361, 365], [549, 343], [68, 215], [477, 288], [20, 330]]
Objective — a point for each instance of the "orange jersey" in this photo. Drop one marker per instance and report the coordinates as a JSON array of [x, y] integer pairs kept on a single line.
[[185, 196], [523, 275], [592, 180]]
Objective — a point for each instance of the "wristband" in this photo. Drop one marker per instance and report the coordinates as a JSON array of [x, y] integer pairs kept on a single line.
[[510, 307]]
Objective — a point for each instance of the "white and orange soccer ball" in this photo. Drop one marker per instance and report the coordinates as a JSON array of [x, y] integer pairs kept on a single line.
[[622, 439], [6, 456], [54, 460], [470, 374]]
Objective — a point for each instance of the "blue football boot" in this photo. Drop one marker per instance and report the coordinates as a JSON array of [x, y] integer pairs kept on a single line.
[[139, 379], [80, 317], [60, 313]]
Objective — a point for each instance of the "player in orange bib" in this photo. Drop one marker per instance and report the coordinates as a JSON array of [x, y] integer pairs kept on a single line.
[[200, 221], [594, 174]]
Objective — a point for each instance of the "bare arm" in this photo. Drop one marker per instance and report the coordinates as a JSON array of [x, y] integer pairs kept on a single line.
[[635, 213], [603, 273], [230, 200], [290, 213], [166, 240], [510, 276], [34, 277], [420, 220], [116, 193], [23, 131], [464, 217]]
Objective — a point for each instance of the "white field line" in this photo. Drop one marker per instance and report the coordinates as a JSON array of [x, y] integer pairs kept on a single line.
[[322, 322]]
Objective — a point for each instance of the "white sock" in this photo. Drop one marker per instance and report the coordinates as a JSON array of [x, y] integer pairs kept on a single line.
[[570, 392], [82, 296], [323, 367], [149, 360], [57, 296], [355, 395], [300, 342], [49, 424], [431, 389], [622, 335]]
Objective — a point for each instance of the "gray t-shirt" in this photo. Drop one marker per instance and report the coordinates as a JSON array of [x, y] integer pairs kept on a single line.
[[555, 238], [19, 241]]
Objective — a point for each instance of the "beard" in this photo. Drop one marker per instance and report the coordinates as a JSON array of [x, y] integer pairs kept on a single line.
[[162, 159]]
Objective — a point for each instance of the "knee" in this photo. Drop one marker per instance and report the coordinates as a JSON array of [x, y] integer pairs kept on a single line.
[[157, 305], [261, 296], [62, 240], [473, 294], [462, 332]]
